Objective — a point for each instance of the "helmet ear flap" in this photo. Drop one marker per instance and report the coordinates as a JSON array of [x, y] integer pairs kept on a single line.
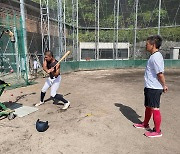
[[41, 126]]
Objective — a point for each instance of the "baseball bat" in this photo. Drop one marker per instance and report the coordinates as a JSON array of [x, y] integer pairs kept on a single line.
[[63, 57]]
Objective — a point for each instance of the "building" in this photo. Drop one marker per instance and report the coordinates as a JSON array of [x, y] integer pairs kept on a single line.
[[106, 51], [175, 53]]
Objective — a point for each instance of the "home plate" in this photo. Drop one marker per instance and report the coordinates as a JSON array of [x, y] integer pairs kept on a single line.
[[24, 110]]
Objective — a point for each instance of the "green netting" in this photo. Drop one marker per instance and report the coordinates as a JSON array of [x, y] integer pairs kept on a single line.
[[111, 64], [13, 67]]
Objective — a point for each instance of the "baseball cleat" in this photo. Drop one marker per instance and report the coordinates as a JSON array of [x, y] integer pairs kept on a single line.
[[38, 104], [66, 105]]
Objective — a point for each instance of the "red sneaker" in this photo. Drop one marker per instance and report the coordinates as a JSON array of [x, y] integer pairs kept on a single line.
[[142, 126]]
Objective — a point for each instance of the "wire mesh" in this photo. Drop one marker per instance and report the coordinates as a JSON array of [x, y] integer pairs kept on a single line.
[[77, 22]]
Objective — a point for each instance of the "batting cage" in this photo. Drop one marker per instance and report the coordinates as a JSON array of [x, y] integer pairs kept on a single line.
[[13, 62]]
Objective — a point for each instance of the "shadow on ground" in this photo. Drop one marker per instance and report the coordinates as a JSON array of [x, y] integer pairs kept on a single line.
[[55, 101], [14, 105], [23, 96], [11, 106], [128, 112]]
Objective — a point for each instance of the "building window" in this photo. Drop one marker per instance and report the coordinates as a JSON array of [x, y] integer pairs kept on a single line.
[[87, 54], [122, 54], [105, 54]]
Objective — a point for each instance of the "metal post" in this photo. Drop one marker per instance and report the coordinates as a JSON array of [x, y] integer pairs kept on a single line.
[[48, 31], [45, 29], [117, 28], [98, 33], [73, 30], [97, 29], [16, 50], [24, 39], [75, 27], [60, 27], [64, 14], [77, 30], [135, 29], [159, 18], [42, 35], [114, 38]]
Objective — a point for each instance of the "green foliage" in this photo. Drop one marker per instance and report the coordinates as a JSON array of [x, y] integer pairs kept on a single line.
[[52, 3], [147, 17], [108, 22], [87, 36], [169, 34]]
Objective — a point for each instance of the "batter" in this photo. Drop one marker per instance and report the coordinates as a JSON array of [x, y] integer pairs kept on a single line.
[[53, 80]]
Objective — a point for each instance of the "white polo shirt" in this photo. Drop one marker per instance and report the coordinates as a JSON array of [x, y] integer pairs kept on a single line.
[[155, 65]]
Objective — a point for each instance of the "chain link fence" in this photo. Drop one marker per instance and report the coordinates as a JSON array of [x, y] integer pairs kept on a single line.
[[107, 21]]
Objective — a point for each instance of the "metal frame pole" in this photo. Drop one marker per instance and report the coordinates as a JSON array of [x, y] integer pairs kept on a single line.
[[60, 27], [96, 29], [45, 26], [159, 18], [114, 37], [135, 28], [77, 30], [64, 20], [24, 39], [117, 28], [16, 50]]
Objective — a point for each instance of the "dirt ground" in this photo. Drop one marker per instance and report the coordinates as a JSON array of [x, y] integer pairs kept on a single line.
[[104, 106]]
